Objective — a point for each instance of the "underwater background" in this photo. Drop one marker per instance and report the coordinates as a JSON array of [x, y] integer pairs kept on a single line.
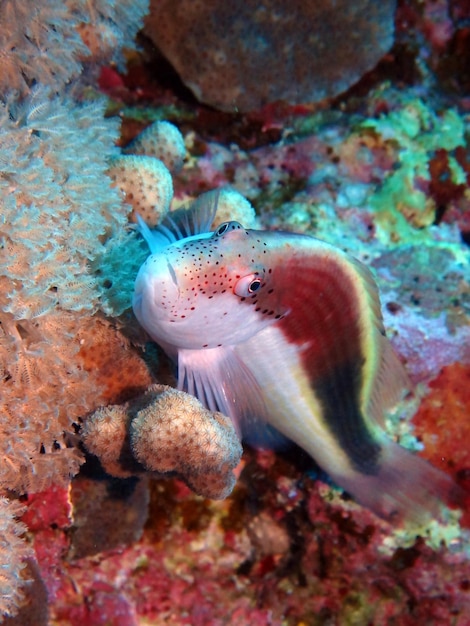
[[348, 121]]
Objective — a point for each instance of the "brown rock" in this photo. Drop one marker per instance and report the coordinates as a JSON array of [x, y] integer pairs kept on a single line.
[[240, 55]]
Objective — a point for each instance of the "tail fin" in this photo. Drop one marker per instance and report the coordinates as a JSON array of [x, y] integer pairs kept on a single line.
[[406, 488]]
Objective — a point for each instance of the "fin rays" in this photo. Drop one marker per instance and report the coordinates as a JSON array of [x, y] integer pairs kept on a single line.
[[222, 382], [182, 223]]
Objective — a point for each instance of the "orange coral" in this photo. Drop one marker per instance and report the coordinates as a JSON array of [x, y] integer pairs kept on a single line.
[[442, 423], [114, 365]]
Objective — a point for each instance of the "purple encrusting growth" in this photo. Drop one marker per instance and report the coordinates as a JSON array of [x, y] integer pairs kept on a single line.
[[283, 329]]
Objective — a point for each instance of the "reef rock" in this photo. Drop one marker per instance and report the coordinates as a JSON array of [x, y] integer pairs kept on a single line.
[[242, 55]]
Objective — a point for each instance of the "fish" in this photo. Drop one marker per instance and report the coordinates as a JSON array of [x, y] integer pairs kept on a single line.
[[283, 333]]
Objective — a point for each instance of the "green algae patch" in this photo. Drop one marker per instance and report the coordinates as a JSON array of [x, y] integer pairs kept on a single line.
[[404, 204]]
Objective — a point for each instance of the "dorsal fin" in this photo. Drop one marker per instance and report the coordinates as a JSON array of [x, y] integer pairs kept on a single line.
[[391, 382], [182, 223]]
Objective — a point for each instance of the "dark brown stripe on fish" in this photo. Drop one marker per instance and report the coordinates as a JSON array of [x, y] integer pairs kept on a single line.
[[324, 311], [324, 320], [337, 394]]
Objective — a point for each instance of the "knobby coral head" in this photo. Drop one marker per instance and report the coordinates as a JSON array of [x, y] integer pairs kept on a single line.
[[167, 432]]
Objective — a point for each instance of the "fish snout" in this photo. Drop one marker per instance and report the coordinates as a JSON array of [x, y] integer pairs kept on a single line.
[[157, 282]]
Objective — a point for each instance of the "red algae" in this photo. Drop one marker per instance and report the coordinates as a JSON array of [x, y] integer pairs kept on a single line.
[[47, 508], [323, 559], [442, 423]]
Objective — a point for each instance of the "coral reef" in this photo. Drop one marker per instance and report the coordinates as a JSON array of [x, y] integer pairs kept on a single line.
[[238, 56], [283, 549], [13, 555], [442, 418], [422, 137], [145, 183], [163, 141], [46, 43], [58, 213], [169, 432], [286, 547], [29, 50], [232, 205]]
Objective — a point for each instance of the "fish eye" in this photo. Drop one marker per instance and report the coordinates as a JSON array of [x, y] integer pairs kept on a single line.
[[248, 285], [225, 226], [222, 228]]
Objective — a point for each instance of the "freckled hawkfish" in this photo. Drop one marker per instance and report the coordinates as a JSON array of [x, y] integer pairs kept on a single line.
[[285, 330]]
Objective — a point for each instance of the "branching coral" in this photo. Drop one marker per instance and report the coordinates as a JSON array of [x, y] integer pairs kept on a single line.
[[168, 432]]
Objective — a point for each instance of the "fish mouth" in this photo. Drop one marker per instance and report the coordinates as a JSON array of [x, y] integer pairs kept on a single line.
[[172, 273]]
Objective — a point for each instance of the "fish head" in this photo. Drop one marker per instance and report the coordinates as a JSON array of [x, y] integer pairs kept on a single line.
[[208, 290]]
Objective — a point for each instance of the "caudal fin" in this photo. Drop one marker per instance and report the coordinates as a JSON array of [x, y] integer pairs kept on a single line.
[[405, 488]]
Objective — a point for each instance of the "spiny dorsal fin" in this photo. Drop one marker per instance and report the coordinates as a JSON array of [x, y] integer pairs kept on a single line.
[[182, 223]]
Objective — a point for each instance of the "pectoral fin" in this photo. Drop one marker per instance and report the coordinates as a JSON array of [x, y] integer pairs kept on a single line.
[[222, 382]]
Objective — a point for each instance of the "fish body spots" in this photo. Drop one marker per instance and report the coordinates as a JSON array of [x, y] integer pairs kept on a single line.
[[208, 289]]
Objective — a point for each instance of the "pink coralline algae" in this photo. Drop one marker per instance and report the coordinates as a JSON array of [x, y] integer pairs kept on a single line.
[[284, 549], [238, 56]]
